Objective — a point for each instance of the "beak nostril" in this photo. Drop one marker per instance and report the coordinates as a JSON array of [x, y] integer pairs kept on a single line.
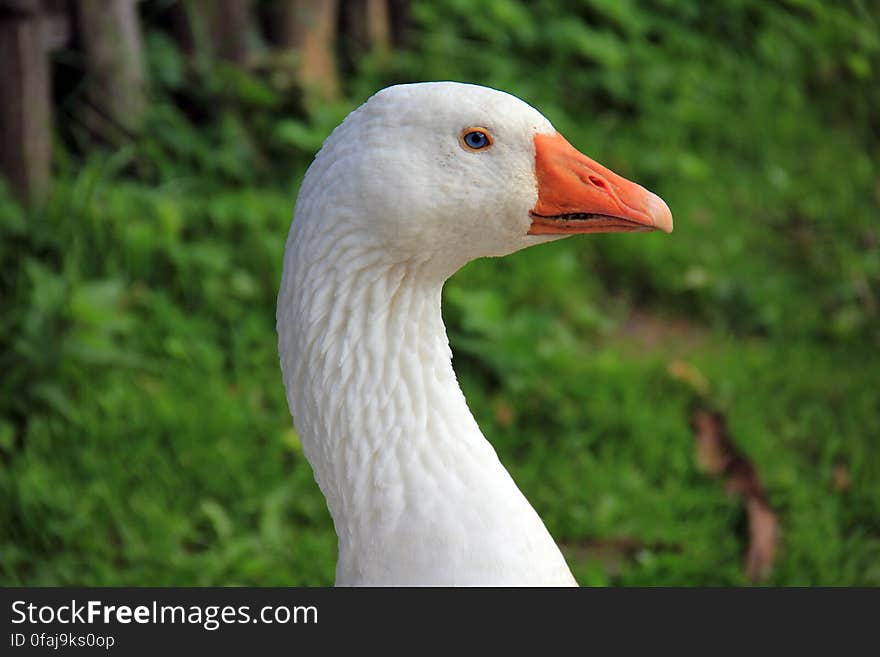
[[597, 181]]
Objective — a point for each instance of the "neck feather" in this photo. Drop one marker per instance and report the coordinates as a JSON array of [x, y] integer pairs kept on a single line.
[[416, 493]]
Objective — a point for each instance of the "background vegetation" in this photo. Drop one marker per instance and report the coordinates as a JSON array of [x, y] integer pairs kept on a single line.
[[144, 435]]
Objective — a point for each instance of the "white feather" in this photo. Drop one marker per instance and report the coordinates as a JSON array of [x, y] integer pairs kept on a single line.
[[390, 208]]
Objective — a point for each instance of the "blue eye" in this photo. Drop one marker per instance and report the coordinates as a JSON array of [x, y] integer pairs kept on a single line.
[[476, 139]]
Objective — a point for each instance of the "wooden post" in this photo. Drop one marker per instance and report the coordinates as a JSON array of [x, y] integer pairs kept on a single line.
[[183, 27], [230, 27], [215, 29], [25, 101], [379, 26], [399, 11], [368, 26], [309, 28], [111, 36]]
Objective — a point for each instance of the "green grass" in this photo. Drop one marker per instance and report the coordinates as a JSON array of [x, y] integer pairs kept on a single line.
[[144, 435], [596, 431]]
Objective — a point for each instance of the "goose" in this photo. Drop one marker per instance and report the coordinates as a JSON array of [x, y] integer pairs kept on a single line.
[[413, 184]]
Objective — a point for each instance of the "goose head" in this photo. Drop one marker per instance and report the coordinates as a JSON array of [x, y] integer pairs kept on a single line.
[[446, 172]]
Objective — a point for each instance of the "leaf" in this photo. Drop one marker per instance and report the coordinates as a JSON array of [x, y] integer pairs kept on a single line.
[[218, 517], [299, 135]]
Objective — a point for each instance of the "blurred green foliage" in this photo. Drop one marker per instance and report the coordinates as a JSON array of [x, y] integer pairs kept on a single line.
[[144, 435]]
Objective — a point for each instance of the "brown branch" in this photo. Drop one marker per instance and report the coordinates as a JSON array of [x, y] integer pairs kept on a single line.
[[718, 455]]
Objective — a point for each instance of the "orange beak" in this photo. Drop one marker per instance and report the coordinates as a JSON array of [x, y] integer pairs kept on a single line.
[[579, 195]]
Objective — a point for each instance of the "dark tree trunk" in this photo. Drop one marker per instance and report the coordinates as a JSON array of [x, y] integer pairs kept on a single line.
[[25, 101]]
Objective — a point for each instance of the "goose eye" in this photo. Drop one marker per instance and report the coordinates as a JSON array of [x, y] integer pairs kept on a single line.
[[476, 139]]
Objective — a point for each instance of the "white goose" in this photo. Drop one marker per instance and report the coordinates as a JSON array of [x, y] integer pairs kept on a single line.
[[418, 181]]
